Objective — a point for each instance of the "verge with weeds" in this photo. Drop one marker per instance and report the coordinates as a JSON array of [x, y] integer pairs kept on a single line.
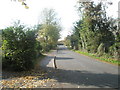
[[101, 58]]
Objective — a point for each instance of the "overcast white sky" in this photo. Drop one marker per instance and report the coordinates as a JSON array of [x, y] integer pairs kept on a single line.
[[12, 11]]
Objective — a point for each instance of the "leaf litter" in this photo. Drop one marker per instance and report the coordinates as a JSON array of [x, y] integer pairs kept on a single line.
[[26, 79]]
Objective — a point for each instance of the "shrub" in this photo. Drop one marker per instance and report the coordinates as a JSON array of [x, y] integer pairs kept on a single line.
[[20, 48], [114, 50], [101, 49]]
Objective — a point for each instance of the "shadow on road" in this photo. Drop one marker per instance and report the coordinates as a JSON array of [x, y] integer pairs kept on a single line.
[[74, 76], [80, 77], [84, 78], [63, 58]]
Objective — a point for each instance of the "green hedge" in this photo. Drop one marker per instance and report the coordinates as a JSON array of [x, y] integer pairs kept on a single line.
[[20, 48]]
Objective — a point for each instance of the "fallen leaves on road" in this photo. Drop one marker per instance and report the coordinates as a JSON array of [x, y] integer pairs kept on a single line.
[[25, 80]]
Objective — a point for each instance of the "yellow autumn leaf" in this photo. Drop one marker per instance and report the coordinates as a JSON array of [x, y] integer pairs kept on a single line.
[[19, 0], [26, 7], [23, 3]]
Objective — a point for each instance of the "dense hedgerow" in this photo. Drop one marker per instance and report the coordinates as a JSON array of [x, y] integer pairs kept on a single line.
[[19, 49]]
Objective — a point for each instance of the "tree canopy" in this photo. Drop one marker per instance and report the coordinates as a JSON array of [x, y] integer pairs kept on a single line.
[[95, 32], [49, 32]]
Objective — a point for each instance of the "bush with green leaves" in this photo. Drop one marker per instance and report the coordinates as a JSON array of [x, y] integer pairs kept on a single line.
[[114, 50], [20, 48]]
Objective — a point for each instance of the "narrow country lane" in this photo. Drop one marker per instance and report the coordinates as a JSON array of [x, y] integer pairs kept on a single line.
[[78, 71]]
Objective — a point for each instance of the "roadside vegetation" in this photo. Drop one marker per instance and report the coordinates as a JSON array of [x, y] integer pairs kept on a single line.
[[96, 34], [21, 46], [104, 58]]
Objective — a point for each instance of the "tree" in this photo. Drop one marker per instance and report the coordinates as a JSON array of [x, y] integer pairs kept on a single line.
[[96, 27], [50, 30], [95, 32]]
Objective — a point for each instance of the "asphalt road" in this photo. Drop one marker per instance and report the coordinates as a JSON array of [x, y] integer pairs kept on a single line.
[[78, 71]]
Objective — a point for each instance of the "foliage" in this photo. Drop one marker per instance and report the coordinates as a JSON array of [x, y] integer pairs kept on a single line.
[[102, 58], [67, 41], [20, 48], [0, 38], [101, 49], [95, 32], [49, 33], [114, 50], [25, 79]]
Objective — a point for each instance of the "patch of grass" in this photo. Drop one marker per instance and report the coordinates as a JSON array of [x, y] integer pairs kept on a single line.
[[102, 58]]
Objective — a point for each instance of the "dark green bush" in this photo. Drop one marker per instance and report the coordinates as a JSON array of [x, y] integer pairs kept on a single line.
[[20, 48]]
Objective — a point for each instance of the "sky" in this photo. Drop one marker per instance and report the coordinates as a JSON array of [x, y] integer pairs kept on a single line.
[[65, 9]]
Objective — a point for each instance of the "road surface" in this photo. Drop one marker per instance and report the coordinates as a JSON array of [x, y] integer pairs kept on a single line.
[[78, 71]]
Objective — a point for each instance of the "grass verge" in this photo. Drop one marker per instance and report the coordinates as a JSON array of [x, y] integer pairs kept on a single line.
[[102, 58]]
